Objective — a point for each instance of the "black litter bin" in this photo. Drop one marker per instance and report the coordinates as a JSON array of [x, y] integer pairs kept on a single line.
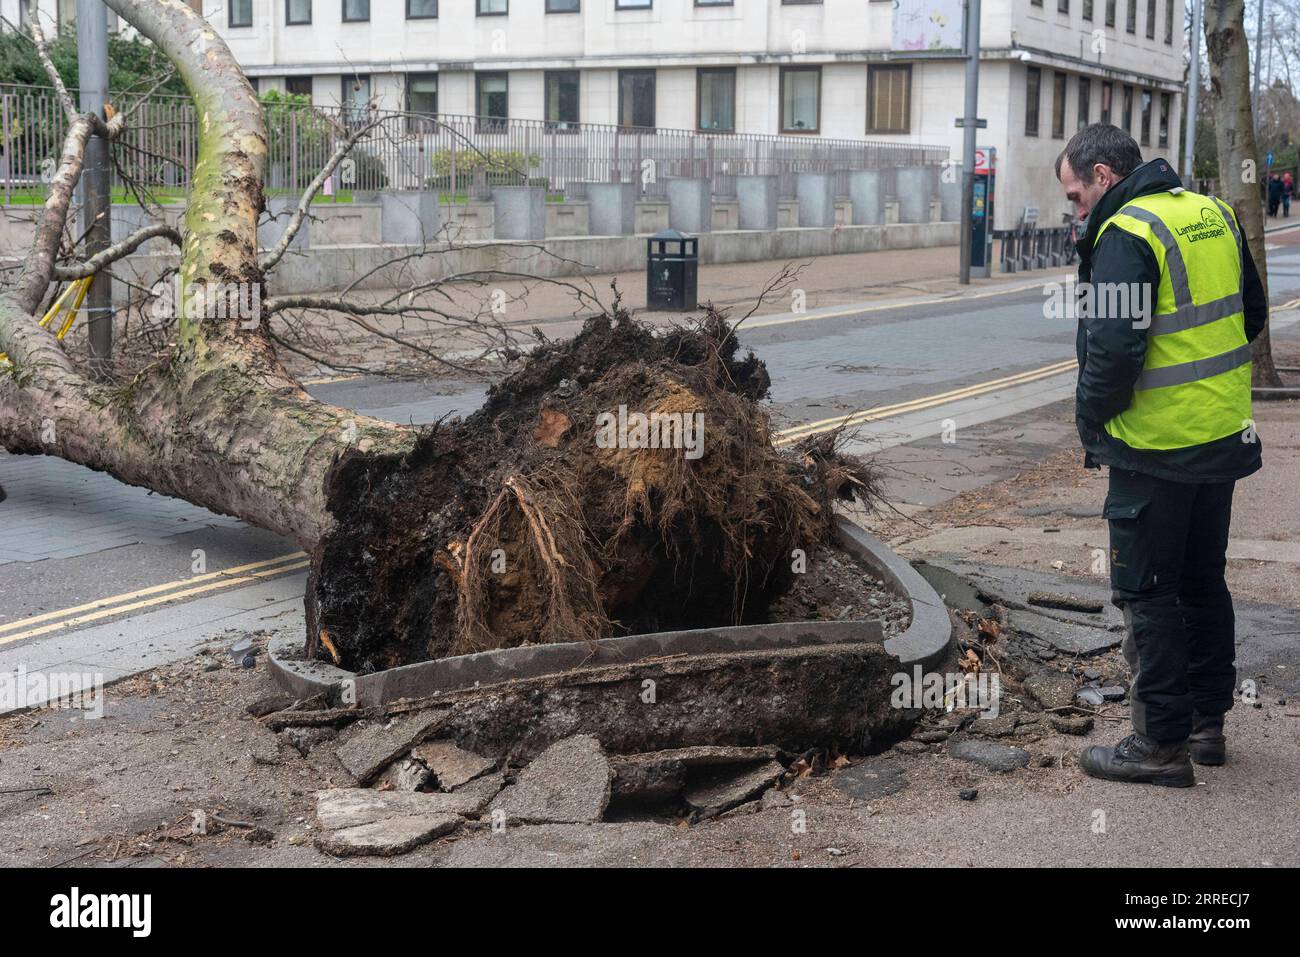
[[671, 270]]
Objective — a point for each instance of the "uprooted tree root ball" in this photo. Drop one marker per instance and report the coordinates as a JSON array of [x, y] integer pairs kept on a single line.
[[544, 516]]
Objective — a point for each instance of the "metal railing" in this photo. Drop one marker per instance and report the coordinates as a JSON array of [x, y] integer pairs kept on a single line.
[[464, 156], [1029, 247]]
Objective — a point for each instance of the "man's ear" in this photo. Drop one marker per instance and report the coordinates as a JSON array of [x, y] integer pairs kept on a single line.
[[1101, 174]]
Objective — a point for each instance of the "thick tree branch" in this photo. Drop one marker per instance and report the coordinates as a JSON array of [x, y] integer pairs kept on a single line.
[[118, 250]]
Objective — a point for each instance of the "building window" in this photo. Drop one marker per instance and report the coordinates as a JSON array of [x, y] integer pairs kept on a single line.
[[1107, 93], [715, 3], [636, 98], [1087, 10], [791, 3], [1110, 13], [1164, 119], [493, 8], [355, 97], [1085, 102], [562, 100], [563, 6], [422, 93], [421, 9], [298, 86], [889, 99], [1033, 80], [1169, 22], [1035, 3], [356, 11], [1058, 105], [1151, 19], [240, 15], [492, 101], [801, 89], [1131, 17], [1146, 118], [297, 12], [715, 99], [633, 4], [1126, 111], [1062, 6]]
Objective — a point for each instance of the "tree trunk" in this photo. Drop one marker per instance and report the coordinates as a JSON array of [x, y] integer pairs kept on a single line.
[[1234, 132], [222, 424]]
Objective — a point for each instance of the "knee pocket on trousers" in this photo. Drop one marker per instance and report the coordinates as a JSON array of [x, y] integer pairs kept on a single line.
[[1131, 563]]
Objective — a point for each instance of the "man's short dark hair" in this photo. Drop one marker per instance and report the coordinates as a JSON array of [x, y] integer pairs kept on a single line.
[[1100, 143]]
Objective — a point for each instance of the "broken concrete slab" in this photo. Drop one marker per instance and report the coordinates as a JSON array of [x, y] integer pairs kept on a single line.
[[1071, 637], [1065, 602], [872, 779], [387, 837], [654, 777], [1051, 689], [350, 807], [451, 765], [995, 757], [998, 727], [568, 783], [1081, 724], [370, 746], [1013, 586], [731, 786]]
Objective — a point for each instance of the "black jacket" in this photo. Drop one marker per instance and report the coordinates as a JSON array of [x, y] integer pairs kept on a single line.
[[1111, 353]]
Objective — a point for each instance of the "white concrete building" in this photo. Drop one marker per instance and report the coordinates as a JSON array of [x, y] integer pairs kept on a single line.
[[805, 67]]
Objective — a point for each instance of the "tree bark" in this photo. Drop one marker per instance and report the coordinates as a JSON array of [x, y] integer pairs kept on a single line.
[[221, 424], [1234, 132]]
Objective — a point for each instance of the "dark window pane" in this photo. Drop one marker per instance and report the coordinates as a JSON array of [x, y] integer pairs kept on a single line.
[[298, 85], [421, 9], [354, 10], [562, 99], [1033, 81], [241, 13], [636, 98], [888, 104], [297, 11], [493, 101], [800, 99], [1085, 104], [717, 100], [563, 6], [1058, 105]]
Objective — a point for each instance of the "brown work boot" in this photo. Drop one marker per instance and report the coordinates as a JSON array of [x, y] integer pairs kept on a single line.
[[1140, 760], [1207, 744]]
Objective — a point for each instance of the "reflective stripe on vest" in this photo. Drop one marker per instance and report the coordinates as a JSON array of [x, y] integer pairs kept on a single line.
[[1195, 384]]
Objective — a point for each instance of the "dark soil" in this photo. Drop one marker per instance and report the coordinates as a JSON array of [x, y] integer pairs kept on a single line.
[[514, 526]]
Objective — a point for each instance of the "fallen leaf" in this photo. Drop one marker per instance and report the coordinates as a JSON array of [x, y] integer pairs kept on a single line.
[[551, 428]]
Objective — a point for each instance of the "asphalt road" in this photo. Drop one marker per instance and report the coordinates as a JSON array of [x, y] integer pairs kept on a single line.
[[95, 573]]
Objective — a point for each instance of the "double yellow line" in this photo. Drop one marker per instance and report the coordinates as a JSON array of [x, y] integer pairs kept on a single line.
[[795, 433], [157, 595], [150, 597]]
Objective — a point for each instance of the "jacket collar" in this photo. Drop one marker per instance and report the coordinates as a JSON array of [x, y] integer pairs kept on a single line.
[[1153, 176]]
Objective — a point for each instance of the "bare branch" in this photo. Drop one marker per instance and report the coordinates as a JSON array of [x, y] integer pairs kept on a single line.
[[117, 251], [38, 37], [304, 202]]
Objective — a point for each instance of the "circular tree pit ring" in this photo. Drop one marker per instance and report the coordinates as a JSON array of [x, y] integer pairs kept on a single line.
[[923, 643]]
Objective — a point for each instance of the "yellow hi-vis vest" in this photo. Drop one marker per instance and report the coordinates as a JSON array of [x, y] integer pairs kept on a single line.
[[1195, 384]]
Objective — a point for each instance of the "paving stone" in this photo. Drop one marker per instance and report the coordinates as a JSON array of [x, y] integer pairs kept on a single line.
[[388, 837], [404, 774], [568, 783], [998, 727], [872, 779], [1051, 689], [726, 788], [995, 757], [450, 764], [1080, 724], [370, 746], [1070, 637]]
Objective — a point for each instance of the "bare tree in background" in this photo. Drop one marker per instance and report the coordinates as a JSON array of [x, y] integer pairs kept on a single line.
[[1234, 131]]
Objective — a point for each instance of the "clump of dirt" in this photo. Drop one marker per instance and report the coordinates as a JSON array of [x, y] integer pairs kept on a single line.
[[837, 587], [622, 481]]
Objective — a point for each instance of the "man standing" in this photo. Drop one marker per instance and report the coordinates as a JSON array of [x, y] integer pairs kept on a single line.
[[1163, 399]]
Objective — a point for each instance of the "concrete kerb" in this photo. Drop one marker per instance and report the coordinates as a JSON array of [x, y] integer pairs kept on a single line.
[[924, 642]]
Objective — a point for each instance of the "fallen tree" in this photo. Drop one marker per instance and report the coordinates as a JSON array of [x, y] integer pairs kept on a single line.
[[524, 522]]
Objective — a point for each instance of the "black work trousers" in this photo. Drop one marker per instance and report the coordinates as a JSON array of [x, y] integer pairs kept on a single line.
[[1168, 545]]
